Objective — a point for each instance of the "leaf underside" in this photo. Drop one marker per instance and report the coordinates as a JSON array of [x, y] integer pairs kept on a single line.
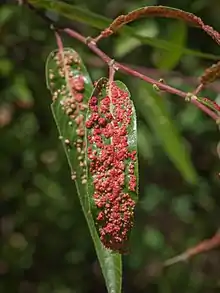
[[71, 89]]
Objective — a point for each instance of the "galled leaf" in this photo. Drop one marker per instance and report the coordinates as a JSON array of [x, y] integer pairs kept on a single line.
[[112, 162]]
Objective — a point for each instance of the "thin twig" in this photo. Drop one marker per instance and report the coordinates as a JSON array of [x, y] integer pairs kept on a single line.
[[92, 45], [198, 89], [112, 71]]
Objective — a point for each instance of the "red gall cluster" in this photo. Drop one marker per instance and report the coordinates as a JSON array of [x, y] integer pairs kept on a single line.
[[72, 102], [112, 166]]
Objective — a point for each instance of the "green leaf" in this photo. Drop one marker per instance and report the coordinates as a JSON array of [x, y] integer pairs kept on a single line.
[[145, 146], [112, 162], [177, 32], [152, 107], [82, 15], [126, 43], [70, 97], [6, 14]]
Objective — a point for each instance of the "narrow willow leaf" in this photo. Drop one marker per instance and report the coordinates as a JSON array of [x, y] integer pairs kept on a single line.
[[152, 107], [82, 15], [112, 162], [71, 89], [145, 146], [125, 44], [177, 32]]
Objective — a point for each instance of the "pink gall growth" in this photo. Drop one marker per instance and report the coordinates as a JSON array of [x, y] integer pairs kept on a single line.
[[112, 166]]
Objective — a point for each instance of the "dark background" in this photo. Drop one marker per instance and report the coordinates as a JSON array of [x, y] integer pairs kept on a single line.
[[45, 246]]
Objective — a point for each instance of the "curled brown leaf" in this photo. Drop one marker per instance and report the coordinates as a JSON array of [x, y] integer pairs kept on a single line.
[[159, 11]]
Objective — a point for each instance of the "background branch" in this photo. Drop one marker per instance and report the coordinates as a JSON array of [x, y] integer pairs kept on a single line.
[[202, 247]]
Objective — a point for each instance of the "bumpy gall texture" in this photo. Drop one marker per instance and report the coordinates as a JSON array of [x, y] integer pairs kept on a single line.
[[112, 166]]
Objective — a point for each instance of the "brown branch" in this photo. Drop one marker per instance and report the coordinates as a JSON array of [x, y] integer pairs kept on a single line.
[[171, 75], [202, 247], [93, 47], [158, 11]]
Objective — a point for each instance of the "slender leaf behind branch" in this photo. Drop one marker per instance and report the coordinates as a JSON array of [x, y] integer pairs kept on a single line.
[[69, 106]]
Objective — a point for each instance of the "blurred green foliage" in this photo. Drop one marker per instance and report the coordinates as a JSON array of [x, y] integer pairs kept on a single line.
[[45, 244]]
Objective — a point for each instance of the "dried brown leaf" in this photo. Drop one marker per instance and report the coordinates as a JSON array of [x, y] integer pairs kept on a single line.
[[159, 11]]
